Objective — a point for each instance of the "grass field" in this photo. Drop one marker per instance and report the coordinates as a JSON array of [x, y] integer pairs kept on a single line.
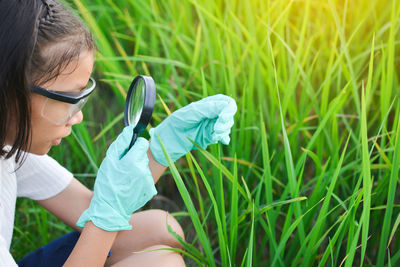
[[310, 176]]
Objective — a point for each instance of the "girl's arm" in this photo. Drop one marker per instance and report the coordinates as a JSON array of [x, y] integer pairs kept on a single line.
[[73, 200], [156, 168], [92, 247]]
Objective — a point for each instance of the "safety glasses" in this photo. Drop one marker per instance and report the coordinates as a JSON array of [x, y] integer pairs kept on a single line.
[[60, 107]]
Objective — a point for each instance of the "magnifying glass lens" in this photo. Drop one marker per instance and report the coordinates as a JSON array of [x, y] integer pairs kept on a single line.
[[137, 101], [139, 104]]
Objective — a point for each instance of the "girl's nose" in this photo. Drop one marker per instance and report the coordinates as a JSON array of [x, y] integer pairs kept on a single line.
[[77, 118]]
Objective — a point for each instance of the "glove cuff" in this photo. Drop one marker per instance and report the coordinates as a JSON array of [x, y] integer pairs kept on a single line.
[[112, 221]]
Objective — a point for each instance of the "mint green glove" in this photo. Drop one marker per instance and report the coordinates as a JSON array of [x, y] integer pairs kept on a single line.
[[206, 122], [123, 185]]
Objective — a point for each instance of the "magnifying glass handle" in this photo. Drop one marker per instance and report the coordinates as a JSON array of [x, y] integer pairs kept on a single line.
[[133, 140], [135, 135]]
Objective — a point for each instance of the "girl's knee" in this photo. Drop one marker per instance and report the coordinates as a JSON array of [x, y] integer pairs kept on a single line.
[[151, 226], [158, 255], [171, 258], [166, 218]]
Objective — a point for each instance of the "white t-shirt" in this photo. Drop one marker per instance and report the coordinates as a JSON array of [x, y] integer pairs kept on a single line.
[[39, 177]]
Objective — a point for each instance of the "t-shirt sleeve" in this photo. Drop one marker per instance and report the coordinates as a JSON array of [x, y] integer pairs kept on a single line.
[[5, 257], [41, 177]]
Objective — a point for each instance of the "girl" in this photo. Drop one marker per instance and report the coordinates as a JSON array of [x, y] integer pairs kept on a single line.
[[46, 60]]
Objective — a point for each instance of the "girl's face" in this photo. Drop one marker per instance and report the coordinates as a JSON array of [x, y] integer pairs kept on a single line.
[[73, 78]]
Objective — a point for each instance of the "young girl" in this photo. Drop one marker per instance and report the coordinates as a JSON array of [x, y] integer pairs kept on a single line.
[[46, 60]]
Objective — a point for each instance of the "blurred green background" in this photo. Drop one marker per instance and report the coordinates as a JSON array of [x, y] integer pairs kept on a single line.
[[310, 176]]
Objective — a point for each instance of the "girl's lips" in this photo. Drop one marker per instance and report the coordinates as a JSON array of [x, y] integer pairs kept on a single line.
[[57, 141]]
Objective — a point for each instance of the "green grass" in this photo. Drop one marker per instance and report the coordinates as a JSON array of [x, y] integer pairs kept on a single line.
[[310, 176]]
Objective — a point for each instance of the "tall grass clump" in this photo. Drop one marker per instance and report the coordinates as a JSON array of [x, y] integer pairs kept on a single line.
[[310, 176]]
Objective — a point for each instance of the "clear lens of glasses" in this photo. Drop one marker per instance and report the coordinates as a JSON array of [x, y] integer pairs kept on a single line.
[[59, 112]]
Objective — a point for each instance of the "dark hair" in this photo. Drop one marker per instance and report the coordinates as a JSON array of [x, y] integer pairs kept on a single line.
[[38, 39]]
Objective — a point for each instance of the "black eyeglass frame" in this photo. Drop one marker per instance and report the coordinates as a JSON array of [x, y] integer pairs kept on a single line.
[[67, 97]]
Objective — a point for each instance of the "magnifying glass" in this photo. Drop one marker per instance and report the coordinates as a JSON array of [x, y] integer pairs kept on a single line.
[[139, 104]]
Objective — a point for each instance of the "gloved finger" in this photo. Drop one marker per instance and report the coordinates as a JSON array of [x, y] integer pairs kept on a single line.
[[223, 127], [224, 123], [212, 108], [138, 152], [222, 131], [226, 107], [226, 140], [121, 143], [230, 108], [223, 138]]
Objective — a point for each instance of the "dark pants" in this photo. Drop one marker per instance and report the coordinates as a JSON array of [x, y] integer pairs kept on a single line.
[[53, 254]]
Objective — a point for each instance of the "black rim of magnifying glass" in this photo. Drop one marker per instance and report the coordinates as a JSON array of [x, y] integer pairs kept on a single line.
[[148, 105]]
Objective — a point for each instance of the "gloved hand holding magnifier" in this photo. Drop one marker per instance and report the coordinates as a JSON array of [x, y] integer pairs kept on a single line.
[[124, 181], [139, 104], [121, 172]]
